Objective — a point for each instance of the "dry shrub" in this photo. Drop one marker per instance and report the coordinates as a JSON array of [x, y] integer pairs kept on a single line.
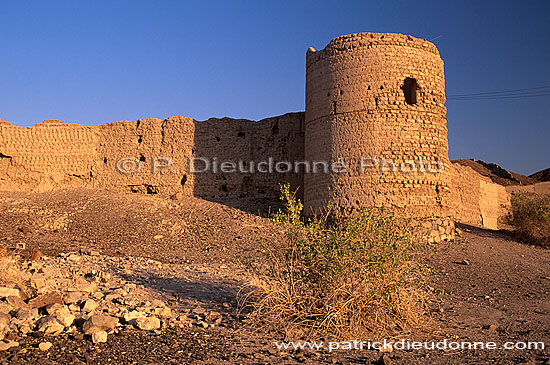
[[530, 217], [338, 275]]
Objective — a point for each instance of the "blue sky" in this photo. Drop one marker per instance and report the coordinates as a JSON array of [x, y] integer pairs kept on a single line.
[[101, 61]]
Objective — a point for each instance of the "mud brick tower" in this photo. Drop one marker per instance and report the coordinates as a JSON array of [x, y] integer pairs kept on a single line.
[[381, 96]]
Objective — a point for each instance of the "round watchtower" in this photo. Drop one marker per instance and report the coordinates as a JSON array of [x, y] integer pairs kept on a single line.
[[376, 103]]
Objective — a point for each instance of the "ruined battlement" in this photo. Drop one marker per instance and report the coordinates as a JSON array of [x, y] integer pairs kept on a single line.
[[369, 40]]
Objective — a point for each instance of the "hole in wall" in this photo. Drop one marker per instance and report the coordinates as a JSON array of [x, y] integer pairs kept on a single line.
[[144, 189], [140, 139], [240, 134], [381, 87], [105, 160], [142, 158], [224, 188], [137, 124], [183, 180], [328, 94], [341, 92], [410, 89], [217, 139]]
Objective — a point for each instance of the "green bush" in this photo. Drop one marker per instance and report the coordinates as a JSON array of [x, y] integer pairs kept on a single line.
[[530, 217], [338, 274]]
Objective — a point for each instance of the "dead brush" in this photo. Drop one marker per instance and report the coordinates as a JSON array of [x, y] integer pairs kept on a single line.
[[339, 274], [530, 218]]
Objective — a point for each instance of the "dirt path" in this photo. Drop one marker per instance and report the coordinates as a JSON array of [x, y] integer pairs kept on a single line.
[[493, 289], [486, 286]]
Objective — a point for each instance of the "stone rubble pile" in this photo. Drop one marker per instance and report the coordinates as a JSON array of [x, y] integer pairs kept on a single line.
[[85, 295]]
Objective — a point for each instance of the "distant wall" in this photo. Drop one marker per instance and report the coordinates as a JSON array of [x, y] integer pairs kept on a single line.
[[538, 188], [54, 155], [475, 199]]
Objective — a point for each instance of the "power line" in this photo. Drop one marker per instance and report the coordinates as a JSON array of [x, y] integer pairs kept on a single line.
[[503, 95], [502, 92], [535, 93], [499, 98]]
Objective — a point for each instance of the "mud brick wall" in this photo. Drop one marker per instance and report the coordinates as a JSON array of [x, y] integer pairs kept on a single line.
[[465, 195], [144, 143], [49, 155], [356, 107], [55, 154], [492, 197], [241, 141], [538, 188], [122, 156], [475, 199]]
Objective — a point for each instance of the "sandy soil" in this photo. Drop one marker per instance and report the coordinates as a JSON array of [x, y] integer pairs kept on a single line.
[[486, 286]]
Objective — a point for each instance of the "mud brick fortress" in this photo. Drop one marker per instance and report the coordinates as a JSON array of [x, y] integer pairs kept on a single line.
[[368, 95]]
